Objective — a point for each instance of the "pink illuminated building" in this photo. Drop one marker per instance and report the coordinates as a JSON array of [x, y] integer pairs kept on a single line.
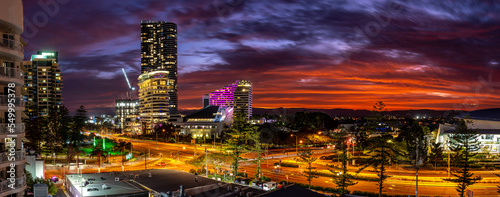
[[237, 95]]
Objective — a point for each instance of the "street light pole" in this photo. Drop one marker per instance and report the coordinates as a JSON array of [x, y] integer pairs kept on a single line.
[[449, 163], [353, 148], [416, 166], [206, 162]]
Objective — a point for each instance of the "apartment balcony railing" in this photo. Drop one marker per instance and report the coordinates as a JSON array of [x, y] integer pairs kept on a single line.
[[18, 128], [18, 102], [11, 72], [19, 156], [19, 183], [12, 44]]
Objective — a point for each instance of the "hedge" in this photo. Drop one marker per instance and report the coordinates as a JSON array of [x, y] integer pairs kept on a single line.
[[362, 178], [291, 165]]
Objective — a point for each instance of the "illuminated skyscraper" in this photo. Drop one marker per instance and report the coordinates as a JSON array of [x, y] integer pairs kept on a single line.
[[237, 95], [158, 79], [43, 83]]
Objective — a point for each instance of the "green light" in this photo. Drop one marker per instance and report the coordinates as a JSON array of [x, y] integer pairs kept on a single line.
[[103, 143], [38, 57], [94, 141]]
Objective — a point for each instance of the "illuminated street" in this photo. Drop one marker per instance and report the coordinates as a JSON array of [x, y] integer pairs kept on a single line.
[[401, 181]]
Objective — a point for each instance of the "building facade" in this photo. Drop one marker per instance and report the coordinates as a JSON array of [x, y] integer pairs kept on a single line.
[[488, 134], [237, 95], [127, 112], [153, 97], [158, 79], [159, 53], [43, 83], [11, 101], [206, 123]]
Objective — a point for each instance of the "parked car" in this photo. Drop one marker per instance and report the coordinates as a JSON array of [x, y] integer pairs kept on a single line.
[[243, 181], [269, 185], [257, 183]]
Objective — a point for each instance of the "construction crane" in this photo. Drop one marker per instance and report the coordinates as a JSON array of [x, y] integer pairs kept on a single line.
[[130, 87]]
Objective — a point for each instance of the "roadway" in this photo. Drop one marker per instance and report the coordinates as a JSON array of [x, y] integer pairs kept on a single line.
[[401, 181]]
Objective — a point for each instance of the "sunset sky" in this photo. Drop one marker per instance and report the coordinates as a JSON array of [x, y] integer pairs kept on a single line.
[[309, 54]]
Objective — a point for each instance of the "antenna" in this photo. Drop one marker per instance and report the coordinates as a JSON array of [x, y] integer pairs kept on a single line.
[[128, 82]]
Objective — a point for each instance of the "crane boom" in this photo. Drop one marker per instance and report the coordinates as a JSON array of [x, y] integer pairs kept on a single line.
[[126, 78]]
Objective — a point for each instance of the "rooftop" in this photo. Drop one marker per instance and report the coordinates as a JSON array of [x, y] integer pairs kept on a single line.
[[164, 180], [483, 114], [207, 112], [451, 129], [113, 187]]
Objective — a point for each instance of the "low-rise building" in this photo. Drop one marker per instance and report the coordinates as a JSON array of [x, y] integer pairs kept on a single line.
[[487, 124], [207, 122], [127, 115]]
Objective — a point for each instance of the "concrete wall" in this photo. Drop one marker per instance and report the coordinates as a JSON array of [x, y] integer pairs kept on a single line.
[[11, 11]]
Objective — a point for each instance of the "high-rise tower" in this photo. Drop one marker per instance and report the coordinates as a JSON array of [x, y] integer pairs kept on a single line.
[[43, 83], [11, 101], [158, 79]]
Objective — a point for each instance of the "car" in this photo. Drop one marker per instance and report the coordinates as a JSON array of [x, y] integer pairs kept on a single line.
[[54, 179], [161, 163], [269, 186], [92, 189], [244, 181], [257, 183]]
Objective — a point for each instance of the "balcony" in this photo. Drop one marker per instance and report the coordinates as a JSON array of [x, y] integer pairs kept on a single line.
[[18, 128], [11, 48], [11, 72], [19, 183], [12, 45], [18, 102], [19, 156]]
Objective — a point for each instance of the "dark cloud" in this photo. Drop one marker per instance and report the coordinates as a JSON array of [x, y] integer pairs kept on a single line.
[[298, 53]]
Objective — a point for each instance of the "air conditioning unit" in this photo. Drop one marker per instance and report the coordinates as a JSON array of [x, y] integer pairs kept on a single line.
[[117, 178]]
